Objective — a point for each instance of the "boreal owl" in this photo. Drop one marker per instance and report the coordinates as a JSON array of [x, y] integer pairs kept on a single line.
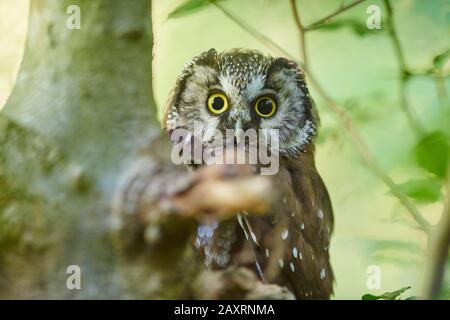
[[245, 89]]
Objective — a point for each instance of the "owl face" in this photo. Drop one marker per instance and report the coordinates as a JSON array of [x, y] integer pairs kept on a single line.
[[243, 89]]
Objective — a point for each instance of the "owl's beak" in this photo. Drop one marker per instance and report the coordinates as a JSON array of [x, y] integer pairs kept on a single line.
[[238, 132]]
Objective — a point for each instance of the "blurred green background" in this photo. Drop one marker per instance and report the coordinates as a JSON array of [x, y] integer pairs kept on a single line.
[[360, 71]]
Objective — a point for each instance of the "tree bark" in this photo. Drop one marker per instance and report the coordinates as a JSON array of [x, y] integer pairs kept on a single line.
[[82, 110]]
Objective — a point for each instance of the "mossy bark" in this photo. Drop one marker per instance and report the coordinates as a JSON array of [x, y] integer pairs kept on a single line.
[[82, 110]]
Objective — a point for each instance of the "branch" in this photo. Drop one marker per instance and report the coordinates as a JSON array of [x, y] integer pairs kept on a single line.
[[252, 31], [368, 157], [394, 37], [153, 192], [230, 189], [301, 31], [157, 207], [405, 72], [438, 248], [338, 11], [161, 203], [347, 123], [364, 150], [411, 116], [439, 77], [441, 91]]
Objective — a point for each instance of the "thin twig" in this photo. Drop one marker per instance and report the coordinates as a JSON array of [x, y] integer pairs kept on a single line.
[[439, 235], [394, 37], [438, 76], [252, 31], [269, 43], [301, 31], [367, 155], [410, 115], [441, 90], [357, 140], [338, 11], [404, 72]]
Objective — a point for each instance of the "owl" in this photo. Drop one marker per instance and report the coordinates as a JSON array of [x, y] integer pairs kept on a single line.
[[243, 89]]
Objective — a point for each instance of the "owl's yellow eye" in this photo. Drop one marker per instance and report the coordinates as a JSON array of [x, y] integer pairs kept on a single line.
[[217, 103], [265, 107]]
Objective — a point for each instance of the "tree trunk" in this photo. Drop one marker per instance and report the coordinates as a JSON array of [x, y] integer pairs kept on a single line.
[[82, 110]]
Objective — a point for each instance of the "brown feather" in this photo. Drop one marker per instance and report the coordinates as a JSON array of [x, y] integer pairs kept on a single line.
[[299, 258]]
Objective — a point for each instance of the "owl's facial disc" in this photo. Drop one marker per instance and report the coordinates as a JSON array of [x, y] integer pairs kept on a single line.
[[243, 89]]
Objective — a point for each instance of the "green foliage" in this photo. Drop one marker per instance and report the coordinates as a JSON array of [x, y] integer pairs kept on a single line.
[[440, 60], [445, 292], [422, 190], [387, 295], [432, 153], [188, 7]]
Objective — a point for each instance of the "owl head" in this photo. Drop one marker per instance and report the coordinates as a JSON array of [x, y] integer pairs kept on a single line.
[[243, 89]]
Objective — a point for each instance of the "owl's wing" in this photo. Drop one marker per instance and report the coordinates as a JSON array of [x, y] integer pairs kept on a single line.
[[291, 243]]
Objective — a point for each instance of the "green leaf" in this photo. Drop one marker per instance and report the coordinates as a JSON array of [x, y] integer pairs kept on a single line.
[[440, 60], [188, 7], [369, 297], [385, 296], [423, 190], [444, 294], [432, 153]]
